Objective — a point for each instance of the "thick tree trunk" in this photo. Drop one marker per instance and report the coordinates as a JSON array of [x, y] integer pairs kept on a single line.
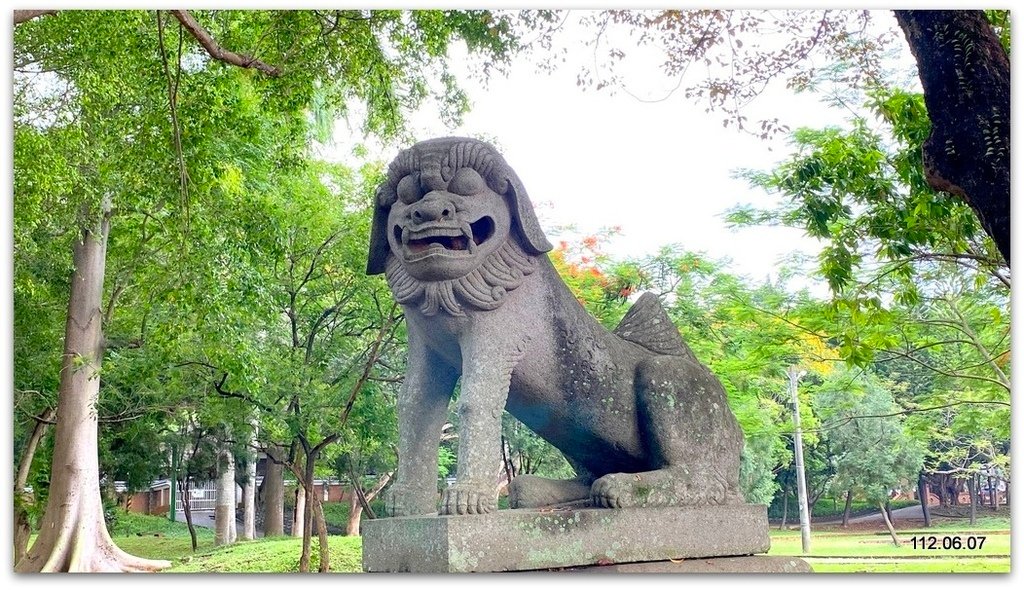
[[991, 493], [273, 499], [922, 494], [846, 509], [22, 500], [888, 525], [355, 513], [226, 529], [249, 504], [965, 73], [73, 536], [249, 491]]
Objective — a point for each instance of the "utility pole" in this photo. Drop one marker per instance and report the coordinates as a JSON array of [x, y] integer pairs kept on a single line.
[[798, 448]]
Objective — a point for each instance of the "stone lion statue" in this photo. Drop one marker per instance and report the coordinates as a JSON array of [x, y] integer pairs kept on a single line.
[[641, 421]]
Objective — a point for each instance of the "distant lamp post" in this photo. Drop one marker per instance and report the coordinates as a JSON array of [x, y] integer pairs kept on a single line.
[[798, 447]]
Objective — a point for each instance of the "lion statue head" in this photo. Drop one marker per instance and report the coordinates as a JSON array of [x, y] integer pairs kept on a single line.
[[453, 227]]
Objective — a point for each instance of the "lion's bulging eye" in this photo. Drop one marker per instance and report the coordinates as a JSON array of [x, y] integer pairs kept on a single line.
[[409, 189], [467, 182]]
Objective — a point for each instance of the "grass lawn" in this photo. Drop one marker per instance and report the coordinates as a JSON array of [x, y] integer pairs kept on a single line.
[[860, 549], [868, 548], [158, 538]]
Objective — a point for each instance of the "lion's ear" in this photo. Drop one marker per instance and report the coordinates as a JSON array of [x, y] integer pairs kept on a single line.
[[524, 219], [379, 247]]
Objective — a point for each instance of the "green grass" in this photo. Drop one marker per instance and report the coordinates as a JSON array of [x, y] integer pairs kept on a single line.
[[156, 537], [273, 555], [836, 551], [906, 566], [833, 550]]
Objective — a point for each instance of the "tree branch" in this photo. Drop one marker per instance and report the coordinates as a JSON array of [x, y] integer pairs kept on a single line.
[[21, 16], [216, 51], [911, 357]]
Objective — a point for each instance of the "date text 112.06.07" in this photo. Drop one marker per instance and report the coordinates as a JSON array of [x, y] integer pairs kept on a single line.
[[948, 542]]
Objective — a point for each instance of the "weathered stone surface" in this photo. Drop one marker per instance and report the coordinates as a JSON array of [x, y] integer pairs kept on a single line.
[[641, 421], [748, 564], [516, 540]]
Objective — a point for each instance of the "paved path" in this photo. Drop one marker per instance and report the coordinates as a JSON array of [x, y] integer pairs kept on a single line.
[[897, 514], [204, 518]]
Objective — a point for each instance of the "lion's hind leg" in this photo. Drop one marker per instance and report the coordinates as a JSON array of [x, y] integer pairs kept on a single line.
[[692, 435]]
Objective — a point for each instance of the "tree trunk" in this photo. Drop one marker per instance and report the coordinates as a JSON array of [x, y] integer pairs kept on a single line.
[[888, 525], [184, 488], [307, 523], [888, 510], [273, 503], [73, 536], [972, 491], [249, 503], [300, 510], [226, 529], [965, 74], [355, 513], [785, 507], [22, 500], [249, 490], [992, 493], [922, 494], [360, 501], [321, 532], [846, 509]]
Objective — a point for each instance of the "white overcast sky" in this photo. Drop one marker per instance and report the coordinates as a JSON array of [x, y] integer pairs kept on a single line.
[[660, 170]]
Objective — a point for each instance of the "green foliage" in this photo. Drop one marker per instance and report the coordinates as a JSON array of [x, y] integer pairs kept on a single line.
[[1000, 21], [919, 291], [218, 202], [864, 194], [525, 452], [871, 452]]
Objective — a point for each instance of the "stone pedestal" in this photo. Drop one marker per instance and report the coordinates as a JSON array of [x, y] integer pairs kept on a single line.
[[517, 540]]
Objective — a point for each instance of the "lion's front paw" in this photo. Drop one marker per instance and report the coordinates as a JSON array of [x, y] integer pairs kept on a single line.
[[402, 501], [469, 499]]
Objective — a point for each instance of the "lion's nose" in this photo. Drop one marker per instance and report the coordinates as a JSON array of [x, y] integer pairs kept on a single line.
[[432, 208]]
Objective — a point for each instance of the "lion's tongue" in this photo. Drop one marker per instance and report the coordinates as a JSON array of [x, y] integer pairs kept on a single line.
[[448, 243]]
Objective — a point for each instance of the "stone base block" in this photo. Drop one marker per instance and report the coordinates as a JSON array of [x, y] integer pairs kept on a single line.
[[517, 540]]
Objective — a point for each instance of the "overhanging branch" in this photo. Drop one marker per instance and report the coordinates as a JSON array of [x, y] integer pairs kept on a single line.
[[216, 51], [21, 16]]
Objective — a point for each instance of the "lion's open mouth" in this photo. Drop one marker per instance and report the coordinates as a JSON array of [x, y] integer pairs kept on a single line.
[[446, 239]]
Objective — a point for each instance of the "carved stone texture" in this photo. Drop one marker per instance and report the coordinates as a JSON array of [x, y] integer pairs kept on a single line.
[[634, 412]]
